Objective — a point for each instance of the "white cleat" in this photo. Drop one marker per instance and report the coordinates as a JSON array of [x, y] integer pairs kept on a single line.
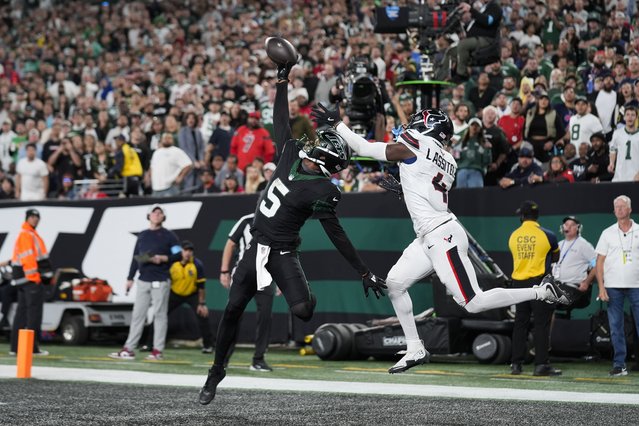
[[410, 360]]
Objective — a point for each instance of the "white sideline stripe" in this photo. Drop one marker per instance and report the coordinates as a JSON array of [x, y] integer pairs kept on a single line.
[[232, 382]]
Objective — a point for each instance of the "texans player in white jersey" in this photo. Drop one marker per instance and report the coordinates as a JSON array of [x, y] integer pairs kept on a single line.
[[427, 171]]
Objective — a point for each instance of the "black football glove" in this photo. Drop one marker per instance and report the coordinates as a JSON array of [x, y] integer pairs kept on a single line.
[[391, 184], [284, 69], [377, 284], [326, 117]]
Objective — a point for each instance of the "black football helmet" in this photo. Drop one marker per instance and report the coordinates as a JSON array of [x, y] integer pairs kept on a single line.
[[329, 151], [430, 122]]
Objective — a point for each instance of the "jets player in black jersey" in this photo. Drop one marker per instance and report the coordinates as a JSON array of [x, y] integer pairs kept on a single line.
[[299, 189]]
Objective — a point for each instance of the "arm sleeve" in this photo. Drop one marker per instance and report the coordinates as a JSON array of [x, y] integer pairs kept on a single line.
[[199, 269], [612, 146], [119, 163], [491, 17], [559, 125], [376, 150], [134, 263], [589, 254], [602, 245], [281, 125], [340, 240], [238, 229], [234, 143], [28, 258]]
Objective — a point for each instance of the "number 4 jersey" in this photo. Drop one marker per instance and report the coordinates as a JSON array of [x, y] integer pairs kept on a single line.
[[426, 180], [291, 197], [626, 145]]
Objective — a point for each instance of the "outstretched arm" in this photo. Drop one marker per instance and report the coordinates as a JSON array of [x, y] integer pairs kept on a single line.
[[377, 150], [281, 125], [343, 244]]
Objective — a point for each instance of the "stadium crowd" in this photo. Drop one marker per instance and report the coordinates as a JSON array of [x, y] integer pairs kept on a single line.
[[163, 98]]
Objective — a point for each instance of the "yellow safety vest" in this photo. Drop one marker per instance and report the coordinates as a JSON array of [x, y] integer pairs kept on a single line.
[[132, 165]]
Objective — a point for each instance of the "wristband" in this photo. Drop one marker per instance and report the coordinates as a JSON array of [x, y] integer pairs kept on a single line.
[[202, 303], [224, 272]]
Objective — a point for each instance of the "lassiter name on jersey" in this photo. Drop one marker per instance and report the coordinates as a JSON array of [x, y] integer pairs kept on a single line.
[[441, 162]]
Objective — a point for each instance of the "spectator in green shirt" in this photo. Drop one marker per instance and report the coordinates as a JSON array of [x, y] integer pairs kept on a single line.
[[473, 155]]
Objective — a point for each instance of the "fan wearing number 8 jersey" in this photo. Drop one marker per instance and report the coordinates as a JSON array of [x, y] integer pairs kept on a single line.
[[427, 171]]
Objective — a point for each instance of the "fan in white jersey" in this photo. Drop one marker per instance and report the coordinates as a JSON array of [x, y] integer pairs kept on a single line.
[[583, 124], [427, 172], [624, 149]]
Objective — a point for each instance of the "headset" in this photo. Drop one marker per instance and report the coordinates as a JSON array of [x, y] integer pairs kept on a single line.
[[580, 227]]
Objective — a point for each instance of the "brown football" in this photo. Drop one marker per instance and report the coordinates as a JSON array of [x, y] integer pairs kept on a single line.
[[280, 50]]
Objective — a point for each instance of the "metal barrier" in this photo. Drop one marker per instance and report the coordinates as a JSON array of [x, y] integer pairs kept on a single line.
[[111, 187]]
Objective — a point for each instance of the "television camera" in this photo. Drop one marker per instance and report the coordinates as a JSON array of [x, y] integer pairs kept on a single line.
[[364, 96], [429, 23]]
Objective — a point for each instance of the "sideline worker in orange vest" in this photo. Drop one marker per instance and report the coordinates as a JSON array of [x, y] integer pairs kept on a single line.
[[28, 252]]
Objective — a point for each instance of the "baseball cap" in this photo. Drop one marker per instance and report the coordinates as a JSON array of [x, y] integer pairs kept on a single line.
[[528, 208], [32, 212], [255, 114], [156, 206], [300, 91], [475, 120], [525, 152], [7, 121], [187, 245], [573, 218], [269, 166], [581, 99]]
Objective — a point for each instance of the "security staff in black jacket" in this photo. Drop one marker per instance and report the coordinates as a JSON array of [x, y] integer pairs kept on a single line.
[[481, 31]]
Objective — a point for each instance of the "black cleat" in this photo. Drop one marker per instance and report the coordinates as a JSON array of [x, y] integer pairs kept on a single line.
[[260, 365], [516, 369], [554, 291], [546, 370], [207, 393]]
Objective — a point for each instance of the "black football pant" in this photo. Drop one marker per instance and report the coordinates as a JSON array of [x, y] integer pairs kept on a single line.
[[264, 302], [175, 301], [28, 313], [542, 316], [8, 295], [288, 276]]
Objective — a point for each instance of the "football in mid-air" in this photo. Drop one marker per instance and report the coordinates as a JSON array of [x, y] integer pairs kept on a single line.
[[280, 50]]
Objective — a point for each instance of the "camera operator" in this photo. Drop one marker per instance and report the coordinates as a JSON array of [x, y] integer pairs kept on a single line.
[[481, 31]]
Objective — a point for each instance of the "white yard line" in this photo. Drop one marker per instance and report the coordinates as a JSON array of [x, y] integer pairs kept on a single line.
[[232, 382]]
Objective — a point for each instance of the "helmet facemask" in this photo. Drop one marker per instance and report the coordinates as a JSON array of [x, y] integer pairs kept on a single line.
[[328, 151]]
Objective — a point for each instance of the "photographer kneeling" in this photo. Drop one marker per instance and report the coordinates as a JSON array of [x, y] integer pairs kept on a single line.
[[481, 32]]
